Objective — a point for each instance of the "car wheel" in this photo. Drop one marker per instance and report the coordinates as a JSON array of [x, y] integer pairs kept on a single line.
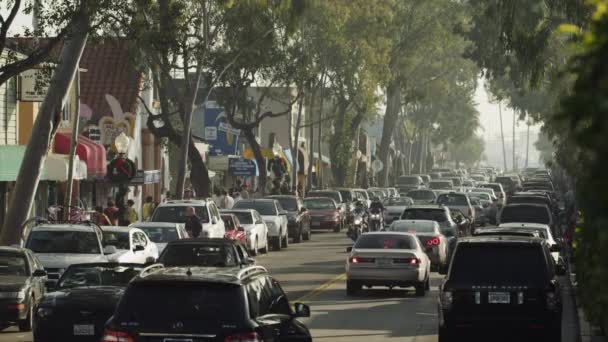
[[28, 323], [352, 288], [285, 241], [421, 289], [307, 235], [298, 237], [276, 243], [445, 335], [255, 249], [265, 249], [427, 284]]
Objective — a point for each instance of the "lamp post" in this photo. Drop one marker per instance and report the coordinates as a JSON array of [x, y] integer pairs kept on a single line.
[[121, 170]]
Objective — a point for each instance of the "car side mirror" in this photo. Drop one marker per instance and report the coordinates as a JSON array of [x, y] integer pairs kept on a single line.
[[39, 273], [349, 249], [283, 213], [213, 221], [301, 310], [138, 248], [555, 248], [109, 250]]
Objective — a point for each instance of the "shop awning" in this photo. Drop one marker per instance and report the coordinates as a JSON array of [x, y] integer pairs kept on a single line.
[[92, 153], [55, 167]]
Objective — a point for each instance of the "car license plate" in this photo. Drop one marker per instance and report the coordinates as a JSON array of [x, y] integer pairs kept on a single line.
[[177, 340], [384, 261], [499, 297], [84, 330]]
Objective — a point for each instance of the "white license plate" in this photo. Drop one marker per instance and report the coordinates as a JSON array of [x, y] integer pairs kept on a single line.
[[499, 297], [84, 330], [384, 261]]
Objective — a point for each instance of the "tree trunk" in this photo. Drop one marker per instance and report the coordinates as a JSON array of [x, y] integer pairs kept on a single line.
[[311, 136], [393, 95], [23, 194], [502, 137], [259, 158], [320, 135], [199, 174]]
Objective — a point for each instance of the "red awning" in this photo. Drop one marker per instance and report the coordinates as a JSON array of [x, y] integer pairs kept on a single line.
[[92, 153]]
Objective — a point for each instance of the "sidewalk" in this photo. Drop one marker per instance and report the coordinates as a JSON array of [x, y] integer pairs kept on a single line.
[[588, 333]]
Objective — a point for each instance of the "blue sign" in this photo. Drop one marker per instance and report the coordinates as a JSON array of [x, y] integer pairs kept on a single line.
[[211, 123], [242, 167]]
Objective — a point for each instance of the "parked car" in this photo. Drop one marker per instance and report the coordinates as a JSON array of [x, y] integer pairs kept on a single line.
[[423, 196], [84, 299], [275, 217], [234, 230], [458, 201], [206, 253], [394, 207], [298, 218], [132, 245], [336, 196], [434, 243], [58, 246], [499, 285], [162, 233], [174, 211], [256, 230], [22, 285], [232, 304], [324, 213], [391, 259]]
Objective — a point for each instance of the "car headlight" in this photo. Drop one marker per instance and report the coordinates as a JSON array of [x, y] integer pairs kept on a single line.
[[376, 216], [358, 221], [11, 295], [44, 312]]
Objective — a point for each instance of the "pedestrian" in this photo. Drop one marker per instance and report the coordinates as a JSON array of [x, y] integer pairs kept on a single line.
[[101, 218], [227, 201], [130, 212], [276, 187], [193, 223], [147, 209], [237, 196], [217, 197], [110, 212]]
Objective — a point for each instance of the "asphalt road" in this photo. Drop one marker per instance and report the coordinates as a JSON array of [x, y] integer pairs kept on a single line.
[[313, 272]]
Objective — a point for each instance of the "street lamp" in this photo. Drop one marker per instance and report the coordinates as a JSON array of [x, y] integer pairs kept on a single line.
[[121, 143]]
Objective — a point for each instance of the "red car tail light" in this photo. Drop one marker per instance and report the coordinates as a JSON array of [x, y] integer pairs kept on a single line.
[[246, 337], [414, 261], [116, 336], [360, 260], [434, 241]]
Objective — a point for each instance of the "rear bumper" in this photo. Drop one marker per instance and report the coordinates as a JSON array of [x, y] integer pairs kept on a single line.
[[388, 276], [324, 224], [490, 321], [12, 311]]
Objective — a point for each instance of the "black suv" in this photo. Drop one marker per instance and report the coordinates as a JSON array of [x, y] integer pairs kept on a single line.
[[206, 304], [501, 283], [205, 253]]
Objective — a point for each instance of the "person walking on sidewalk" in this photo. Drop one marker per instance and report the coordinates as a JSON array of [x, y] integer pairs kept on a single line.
[[111, 212], [130, 213], [147, 209]]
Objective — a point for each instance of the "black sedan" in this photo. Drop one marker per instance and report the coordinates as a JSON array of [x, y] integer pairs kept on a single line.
[[22, 279], [84, 299], [298, 218]]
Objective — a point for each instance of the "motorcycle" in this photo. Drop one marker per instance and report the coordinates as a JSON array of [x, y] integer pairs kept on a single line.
[[376, 219], [358, 225]]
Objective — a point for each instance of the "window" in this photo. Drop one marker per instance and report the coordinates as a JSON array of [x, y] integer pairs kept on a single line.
[[452, 199], [135, 240], [425, 214], [267, 208], [13, 264], [177, 214], [385, 241], [73, 242], [142, 239], [280, 304], [524, 213], [319, 203], [161, 234], [418, 227], [210, 255]]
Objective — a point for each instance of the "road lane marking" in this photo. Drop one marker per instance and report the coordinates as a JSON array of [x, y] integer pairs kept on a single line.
[[321, 288]]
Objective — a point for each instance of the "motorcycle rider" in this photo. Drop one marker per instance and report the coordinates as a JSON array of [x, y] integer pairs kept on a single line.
[[359, 222], [376, 207]]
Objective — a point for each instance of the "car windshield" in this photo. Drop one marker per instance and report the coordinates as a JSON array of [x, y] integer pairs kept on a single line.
[[244, 217], [289, 204], [411, 180], [346, 195], [385, 241], [398, 201], [80, 276], [177, 214], [437, 215], [480, 195], [204, 255], [410, 227], [524, 213], [161, 234], [497, 264], [319, 204], [71, 242], [335, 195], [199, 307], [228, 221], [266, 208], [440, 185], [13, 264], [120, 240], [452, 199], [421, 195]]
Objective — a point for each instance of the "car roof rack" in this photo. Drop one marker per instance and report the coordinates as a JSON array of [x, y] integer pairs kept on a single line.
[[249, 271], [150, 269]]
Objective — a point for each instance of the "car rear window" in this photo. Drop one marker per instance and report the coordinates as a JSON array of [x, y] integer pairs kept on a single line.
[[289, 204], [177, 214], [385, 241], [335, 195], [266, 208], [424, 214], [204, 255], [319, 204], [13, 264], [452, 199], [244, 217], [523, 213], [421, 195], [409, 180], [161, 234], [440, 185], [498, 263], [200, 307], [407, 226], [70, 242]]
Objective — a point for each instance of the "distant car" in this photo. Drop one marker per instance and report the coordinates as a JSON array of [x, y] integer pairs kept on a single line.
[[498, 190], [459, 201], [275, 217], [508, 184], [298, 218], [205, 253], [435, 175], [457, 181], [433, 213], [395, 207], [84, 299], [58, 246], [434, 243], [162, 233], [132, 245], [234, 230], [543, 231], [363, 196], [469, 183], [22, 286], [526, 213], [324, 213], [391, 259], [381, 193], [501, 285], [256, 231], [174, 211], [407, 183], [441, 185], [333, 194], [207, 304], [487, 210], [423, 196]]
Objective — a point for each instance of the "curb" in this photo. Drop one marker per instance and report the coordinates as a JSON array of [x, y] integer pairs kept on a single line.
[[588, 332]]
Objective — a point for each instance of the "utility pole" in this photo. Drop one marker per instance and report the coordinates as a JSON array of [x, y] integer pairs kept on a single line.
[[73, 143], [514, 166], [502, 136], [528, 143]]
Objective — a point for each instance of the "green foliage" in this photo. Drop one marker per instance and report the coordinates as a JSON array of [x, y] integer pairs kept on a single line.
[[468, 151]]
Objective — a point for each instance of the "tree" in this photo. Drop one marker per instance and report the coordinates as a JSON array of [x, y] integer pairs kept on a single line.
[[468, 151]]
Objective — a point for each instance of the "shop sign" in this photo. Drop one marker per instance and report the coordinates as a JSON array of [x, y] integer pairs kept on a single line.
[[226, 141], [34, 85], [225, 127], [241, 167]]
